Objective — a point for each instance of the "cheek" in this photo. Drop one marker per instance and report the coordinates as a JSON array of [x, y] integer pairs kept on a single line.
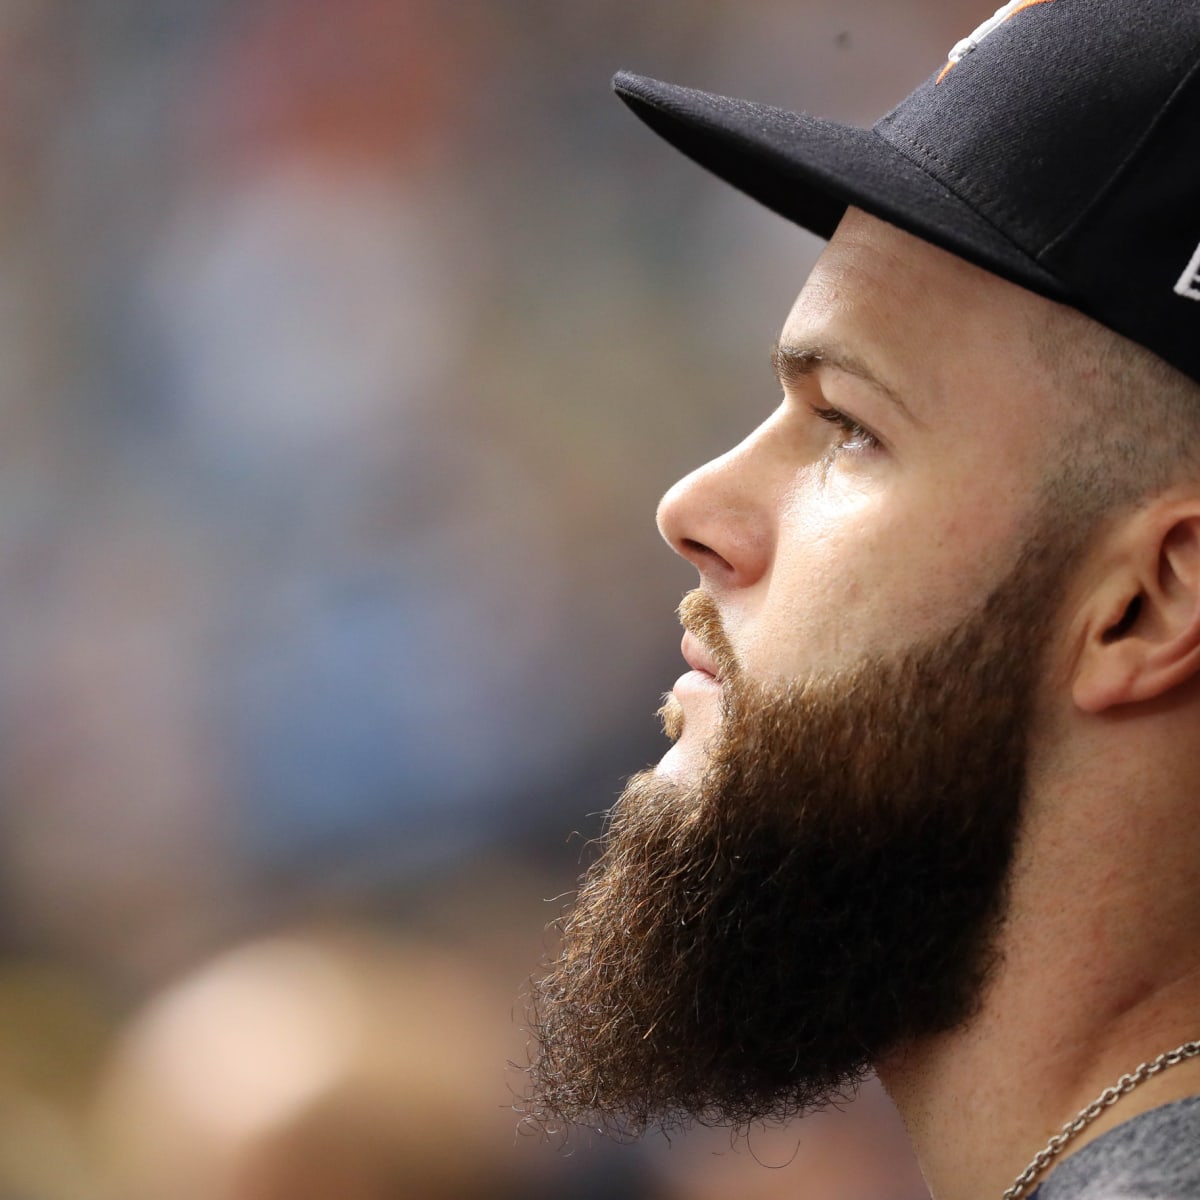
[[828, 579], [859, 571]]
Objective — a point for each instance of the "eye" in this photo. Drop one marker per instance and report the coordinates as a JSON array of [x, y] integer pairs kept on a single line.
[[857, 437]]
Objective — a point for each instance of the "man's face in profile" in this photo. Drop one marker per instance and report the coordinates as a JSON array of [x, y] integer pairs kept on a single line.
[[815, 873]]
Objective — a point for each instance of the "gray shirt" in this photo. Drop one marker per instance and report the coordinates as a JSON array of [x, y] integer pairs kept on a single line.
[[1154, 1156]]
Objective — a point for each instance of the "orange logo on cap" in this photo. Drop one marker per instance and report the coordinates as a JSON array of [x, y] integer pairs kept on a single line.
[[1004, 13]]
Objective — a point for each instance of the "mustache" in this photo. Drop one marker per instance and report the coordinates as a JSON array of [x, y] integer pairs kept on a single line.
[[700, 616]]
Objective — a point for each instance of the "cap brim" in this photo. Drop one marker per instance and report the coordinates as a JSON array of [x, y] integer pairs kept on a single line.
[[810, 170]]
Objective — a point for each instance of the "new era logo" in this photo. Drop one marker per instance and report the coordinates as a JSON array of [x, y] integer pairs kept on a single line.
[[1189, 281]]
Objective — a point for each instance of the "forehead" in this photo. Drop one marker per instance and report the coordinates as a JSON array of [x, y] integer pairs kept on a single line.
[[945, 335]]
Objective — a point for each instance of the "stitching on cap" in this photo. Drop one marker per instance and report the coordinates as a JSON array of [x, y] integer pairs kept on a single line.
[[1119, 170], [962, 190]]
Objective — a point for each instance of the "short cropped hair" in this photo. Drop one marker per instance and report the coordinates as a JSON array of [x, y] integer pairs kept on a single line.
[[1132, 421]]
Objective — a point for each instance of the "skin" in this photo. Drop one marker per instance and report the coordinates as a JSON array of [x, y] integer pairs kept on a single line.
[[820, 540]]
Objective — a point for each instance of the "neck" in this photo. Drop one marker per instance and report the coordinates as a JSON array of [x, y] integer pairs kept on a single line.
[[1099, 972]]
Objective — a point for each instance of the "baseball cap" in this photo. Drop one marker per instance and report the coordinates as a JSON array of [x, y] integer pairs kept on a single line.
[[1058, 146]]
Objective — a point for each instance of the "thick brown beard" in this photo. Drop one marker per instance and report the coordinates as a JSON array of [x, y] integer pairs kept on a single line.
[[832, 888]]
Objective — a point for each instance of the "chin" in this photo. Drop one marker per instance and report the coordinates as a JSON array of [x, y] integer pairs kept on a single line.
[[694, 728], [686, 761], [677, 765]]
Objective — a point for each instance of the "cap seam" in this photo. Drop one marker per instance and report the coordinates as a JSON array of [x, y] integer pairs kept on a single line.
[[1127, 160], [954, 184]]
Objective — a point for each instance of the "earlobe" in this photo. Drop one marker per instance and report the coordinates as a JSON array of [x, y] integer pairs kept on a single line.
[[1142, 633]]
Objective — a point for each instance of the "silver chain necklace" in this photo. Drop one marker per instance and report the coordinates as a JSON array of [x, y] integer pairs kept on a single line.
[[1106, 1099]]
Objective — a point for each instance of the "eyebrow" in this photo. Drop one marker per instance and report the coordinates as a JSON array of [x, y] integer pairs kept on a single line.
[[793, 363]]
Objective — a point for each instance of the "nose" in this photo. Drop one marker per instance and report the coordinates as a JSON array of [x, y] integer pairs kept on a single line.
[[720, 517]]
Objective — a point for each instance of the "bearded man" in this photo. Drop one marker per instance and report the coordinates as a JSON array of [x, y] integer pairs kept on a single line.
[[933, 804]]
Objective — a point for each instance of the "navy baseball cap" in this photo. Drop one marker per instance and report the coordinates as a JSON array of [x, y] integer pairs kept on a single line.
[[1058, 146]]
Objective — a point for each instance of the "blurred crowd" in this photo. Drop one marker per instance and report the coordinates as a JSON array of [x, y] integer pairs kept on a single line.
[[345, 349]]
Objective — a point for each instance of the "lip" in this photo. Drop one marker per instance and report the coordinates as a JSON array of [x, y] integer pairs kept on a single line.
[[697, 657], [696, 683]]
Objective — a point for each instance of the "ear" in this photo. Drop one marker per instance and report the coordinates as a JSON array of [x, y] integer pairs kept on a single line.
[[1142, 615]]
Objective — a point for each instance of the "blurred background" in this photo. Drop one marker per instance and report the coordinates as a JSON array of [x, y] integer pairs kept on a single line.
[[345, 349]]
